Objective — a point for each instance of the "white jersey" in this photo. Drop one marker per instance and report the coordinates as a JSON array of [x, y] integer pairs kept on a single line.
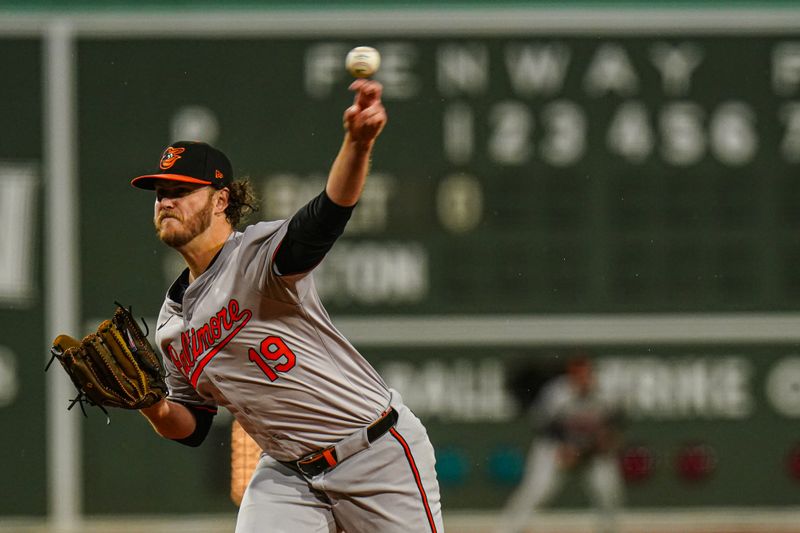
[[564, 416], [262, 346], [579, 416]]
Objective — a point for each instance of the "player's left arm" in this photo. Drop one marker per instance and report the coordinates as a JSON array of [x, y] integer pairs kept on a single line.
[[315, 227], [184, 423]]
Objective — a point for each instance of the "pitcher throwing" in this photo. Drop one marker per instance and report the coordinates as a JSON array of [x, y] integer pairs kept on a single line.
[[243, 328]]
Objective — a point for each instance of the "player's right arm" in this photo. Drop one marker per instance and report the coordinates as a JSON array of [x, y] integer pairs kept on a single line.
[[363, 122], [316, 226], [186, 424], [311, 233]]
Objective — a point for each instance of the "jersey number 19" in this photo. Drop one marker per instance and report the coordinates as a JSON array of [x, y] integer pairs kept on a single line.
[[273, 349]]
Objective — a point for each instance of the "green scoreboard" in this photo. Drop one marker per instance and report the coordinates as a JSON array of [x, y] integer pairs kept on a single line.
[[518, 175], [522, 174]]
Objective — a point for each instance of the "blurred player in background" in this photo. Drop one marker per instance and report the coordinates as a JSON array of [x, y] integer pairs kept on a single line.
[[243, 328], [576, 432]]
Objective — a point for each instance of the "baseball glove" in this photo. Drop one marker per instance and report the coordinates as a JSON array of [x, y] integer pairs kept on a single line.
[[114, 367]]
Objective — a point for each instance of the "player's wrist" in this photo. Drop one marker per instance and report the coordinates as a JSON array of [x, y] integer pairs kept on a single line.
[[359, 145], [157, 411]]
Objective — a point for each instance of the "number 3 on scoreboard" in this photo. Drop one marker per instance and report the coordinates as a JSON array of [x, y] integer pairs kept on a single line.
[[273, 349]]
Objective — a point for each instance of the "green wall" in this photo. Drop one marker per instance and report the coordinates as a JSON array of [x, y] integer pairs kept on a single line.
[[22, 354], [520, 174]]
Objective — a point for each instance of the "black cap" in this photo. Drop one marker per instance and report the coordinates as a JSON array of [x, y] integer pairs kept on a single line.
[[190, 162]]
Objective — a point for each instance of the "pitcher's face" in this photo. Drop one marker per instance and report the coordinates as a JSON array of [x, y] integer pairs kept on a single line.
[[182, 212]]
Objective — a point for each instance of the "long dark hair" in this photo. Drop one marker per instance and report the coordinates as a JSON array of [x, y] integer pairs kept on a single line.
[[242, 202]]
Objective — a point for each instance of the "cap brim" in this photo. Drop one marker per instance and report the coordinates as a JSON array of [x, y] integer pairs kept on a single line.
[[148, 182]]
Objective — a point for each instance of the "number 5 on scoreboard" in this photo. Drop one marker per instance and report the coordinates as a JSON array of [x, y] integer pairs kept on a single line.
[[273, 349]]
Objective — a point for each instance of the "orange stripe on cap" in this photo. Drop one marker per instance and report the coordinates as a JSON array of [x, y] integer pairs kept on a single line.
[[147, 182]]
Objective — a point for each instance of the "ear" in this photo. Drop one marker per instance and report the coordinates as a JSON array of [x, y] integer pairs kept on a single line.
[[221, 198]]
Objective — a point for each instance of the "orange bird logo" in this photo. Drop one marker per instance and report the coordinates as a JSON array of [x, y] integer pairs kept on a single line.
[[170, 157]]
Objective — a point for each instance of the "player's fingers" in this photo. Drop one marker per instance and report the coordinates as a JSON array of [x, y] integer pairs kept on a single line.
[[377, 121], [356, 85], [370, 107], [372, 115], [359, 120], [368, 92], [373, 89], [376, 124], [360, 111], [351, 112], [368, 125], [349, 115], [366, 83]]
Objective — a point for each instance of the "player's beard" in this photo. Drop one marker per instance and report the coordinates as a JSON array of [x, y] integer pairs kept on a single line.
[[190, 228]]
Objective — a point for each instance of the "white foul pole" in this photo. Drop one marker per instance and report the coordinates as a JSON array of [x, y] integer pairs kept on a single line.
[[62, 284]]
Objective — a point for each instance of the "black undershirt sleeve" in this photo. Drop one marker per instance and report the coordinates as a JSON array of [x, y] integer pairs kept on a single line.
[[311, 234], [203, 418]]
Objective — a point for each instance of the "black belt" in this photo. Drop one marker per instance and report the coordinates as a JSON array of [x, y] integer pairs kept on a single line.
[[324, 460]]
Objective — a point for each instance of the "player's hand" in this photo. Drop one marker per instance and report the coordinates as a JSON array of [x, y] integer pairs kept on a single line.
[[365, 119]]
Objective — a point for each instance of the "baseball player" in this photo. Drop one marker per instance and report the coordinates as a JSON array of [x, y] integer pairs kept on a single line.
[[577, 431], [243, 327]]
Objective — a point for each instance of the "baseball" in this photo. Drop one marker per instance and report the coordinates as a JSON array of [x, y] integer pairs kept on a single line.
[[363, 61]]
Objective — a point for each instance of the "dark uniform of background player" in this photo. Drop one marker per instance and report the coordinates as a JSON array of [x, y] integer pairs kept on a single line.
[[576, 432]]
